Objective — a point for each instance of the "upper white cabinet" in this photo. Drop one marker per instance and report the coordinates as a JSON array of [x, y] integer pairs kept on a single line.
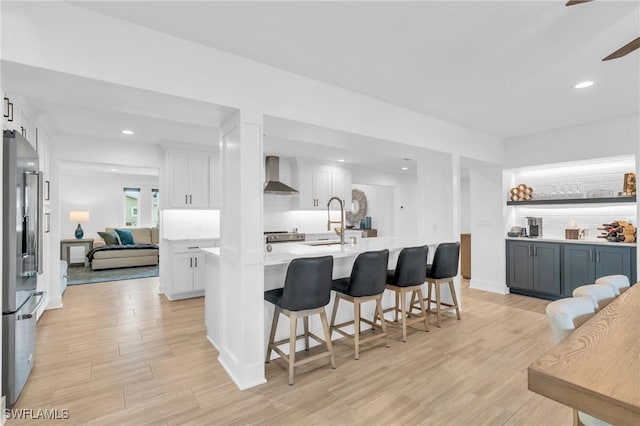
[[189, 179], [317, 183]]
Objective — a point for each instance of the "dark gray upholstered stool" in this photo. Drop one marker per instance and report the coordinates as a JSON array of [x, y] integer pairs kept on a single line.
[[442, 271], [306, 291], [408, 277], [366, 283]]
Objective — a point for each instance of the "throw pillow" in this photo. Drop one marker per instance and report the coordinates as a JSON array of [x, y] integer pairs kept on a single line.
[[110, 238], [126, 237]]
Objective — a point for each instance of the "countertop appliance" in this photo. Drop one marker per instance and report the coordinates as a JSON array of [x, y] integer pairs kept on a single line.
[[283, 237], [21, 261], [535, 226]]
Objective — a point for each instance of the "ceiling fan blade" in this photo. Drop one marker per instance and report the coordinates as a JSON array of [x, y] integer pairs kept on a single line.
[[624, 50], [574, 2]]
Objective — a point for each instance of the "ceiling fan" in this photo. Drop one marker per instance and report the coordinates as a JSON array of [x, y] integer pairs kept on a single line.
[[624, 50]]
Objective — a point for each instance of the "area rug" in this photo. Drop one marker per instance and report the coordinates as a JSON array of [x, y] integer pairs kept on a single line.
[[77, 275]]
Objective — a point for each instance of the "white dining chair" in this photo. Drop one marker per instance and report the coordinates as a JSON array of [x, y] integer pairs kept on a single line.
[[600, 295], [620, 283], [564, 316]]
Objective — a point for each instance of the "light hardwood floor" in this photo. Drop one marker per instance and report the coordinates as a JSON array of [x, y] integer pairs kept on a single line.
[[118, 353]]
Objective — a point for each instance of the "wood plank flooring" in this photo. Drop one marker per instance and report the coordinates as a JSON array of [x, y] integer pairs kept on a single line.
[[120, 354]]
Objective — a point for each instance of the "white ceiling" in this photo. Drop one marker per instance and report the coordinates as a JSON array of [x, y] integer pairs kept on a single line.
[[504, 68]]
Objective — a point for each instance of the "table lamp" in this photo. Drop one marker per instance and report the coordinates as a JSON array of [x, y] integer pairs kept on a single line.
[[78, 216]]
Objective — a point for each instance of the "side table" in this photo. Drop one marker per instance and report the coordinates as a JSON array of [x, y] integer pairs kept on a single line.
[[65, 248]]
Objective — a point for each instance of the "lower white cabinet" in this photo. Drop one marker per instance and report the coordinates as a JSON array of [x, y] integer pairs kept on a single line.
[[183, 274]]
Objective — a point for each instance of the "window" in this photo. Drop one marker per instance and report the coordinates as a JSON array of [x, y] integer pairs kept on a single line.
[[155, 208], [131, 205]]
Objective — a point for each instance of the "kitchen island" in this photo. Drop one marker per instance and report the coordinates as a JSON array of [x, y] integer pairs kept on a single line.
[[219, 309]]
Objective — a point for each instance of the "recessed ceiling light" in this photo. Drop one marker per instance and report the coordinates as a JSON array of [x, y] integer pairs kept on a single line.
[[583, 84], [405, 168], [341, 160], [127, 132], [114, 170]]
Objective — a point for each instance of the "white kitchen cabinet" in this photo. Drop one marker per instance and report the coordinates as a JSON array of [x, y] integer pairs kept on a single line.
[[317, 183], [189, 179], [183, 272]]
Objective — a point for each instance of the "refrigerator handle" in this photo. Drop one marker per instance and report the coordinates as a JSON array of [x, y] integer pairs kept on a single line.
[[40, 242], [42, 295]]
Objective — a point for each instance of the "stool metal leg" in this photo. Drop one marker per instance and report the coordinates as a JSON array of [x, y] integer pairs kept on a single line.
[[404, 314], [383, 324], [293, 323], [327, 336], [272, 335], [454, 297], [305, 321], [356, 326], [397, 303], [438, 303]]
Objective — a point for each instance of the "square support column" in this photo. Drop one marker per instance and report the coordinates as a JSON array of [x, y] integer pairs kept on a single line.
[[242, 250]]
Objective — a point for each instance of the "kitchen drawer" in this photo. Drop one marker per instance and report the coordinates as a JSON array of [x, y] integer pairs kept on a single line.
[[192, 246]]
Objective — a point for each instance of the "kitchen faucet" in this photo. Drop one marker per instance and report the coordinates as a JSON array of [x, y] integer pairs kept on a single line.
[[341, 222]]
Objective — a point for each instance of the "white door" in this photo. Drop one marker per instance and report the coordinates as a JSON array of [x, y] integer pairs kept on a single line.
[[341, 186], [199, 271], [179, 178], [322, 186], [182, 273], [198, 180]]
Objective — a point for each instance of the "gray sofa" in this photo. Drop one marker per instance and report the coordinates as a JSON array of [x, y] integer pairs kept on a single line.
[[128, 257]]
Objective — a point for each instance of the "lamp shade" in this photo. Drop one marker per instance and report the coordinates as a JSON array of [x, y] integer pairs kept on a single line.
[[78, 216]]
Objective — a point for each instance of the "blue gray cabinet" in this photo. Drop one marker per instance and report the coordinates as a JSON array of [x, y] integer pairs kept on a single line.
[[554, 270], [534, 267], [584, 263]]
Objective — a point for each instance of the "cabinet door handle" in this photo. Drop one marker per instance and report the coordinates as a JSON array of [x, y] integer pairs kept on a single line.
[[6, 108], [196, 261], [10, 112], [190, 199], [597, 256], [590, 256], [186, 199], [23, 132], [191, 262]]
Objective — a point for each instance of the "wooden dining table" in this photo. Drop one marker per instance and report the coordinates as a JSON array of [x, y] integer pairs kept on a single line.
[[596, 370]]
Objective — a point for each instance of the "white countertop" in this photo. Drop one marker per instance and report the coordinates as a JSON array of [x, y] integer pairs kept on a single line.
[[180, 239], [283, 253], [562, 240]]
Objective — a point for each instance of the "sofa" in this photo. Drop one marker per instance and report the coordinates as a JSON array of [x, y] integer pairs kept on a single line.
[[144, 252]]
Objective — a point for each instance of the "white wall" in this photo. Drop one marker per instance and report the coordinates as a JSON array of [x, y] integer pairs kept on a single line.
[[177, 224], [380, 206], [102, 195], [465, 205], [487, 207]]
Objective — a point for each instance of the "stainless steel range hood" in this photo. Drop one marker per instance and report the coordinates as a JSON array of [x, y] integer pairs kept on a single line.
[[273, 184]]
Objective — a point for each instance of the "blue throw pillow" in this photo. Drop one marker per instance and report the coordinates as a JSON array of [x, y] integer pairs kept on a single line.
[[126, 237]]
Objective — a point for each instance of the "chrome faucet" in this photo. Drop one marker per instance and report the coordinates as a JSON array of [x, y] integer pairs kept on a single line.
[[341, 222]]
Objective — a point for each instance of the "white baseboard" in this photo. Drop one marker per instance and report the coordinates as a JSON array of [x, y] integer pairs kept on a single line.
[[241, 384], [180, 296], [493, 287]]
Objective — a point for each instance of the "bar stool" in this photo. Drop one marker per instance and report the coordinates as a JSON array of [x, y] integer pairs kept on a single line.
[[306, 291], [564, 316], [600, 295], [366, 283], [620, 283], [442, 271], [408, 277]]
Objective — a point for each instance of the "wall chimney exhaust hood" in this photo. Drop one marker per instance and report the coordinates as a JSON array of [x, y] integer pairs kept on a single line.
[[273, 184]]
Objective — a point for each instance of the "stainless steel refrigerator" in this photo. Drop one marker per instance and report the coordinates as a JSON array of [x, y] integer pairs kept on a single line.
[[21, 260]]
